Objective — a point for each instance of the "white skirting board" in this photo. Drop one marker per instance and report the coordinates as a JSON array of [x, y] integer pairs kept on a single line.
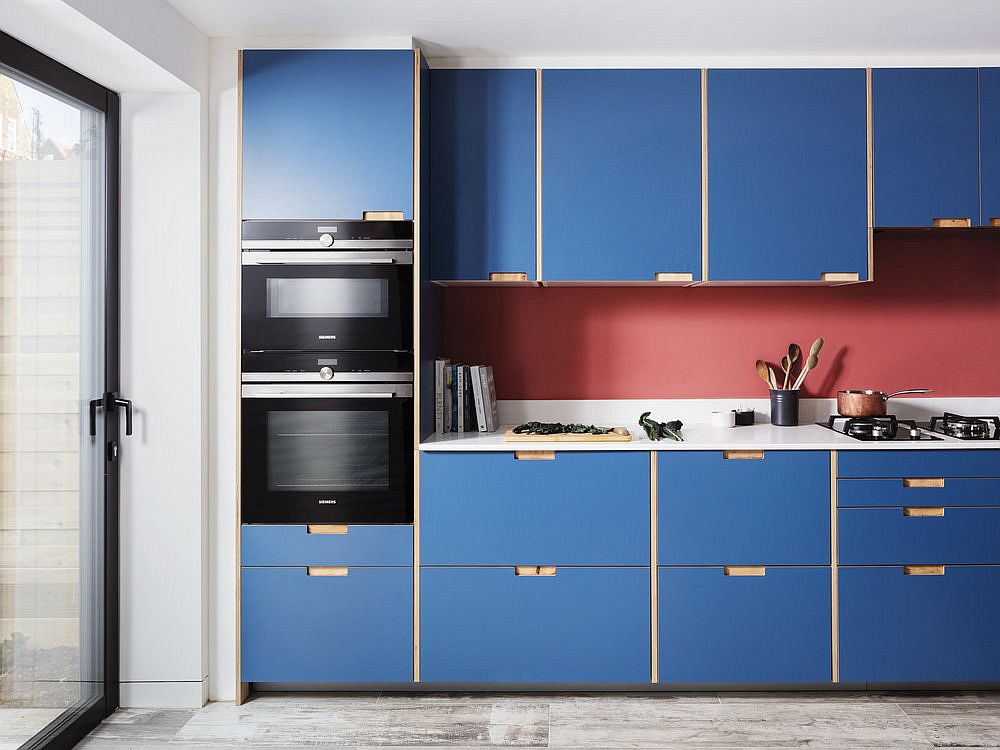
[[163, 694], [625, 412]]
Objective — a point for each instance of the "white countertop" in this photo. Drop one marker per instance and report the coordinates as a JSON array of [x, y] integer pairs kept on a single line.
[[702, 437]]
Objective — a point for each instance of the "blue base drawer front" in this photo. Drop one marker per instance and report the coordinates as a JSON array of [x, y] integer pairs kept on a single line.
[[885, 536], [718, 511], [919, 463], [490, 625], [302, 628], [289, 546], [770, 628], [908, 628], [582, 508], [864, 493]]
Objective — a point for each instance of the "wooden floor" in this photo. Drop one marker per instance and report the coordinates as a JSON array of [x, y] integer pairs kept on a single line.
[[724, 720]]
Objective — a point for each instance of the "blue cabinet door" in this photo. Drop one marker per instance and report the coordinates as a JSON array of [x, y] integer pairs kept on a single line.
[[314, 628], [482, 175], [621, 174], [267, 545], [887, 536], [490, 625], [917, 464], [873, 493], [910, 628], [787, 174], [719, 628], [769, 511], [327, 133], [926, 147], [989, 143], [583, 508]]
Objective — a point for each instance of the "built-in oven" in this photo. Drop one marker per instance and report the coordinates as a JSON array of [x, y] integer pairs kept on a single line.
[[332, 444], [327, 285]]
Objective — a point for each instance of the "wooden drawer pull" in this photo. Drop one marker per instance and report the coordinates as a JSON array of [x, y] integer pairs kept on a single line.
[[995, 221], [382, 215], [321, 528], [923, 512], [534, 455], [742, 455], [944, 223], [501, 276], [855, 276], [745, 571], [923, 483], [534, 570], [923, 570], [328, 571], [669, 276]]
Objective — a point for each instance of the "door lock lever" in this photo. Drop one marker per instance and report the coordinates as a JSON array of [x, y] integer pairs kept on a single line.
[[109, 402]]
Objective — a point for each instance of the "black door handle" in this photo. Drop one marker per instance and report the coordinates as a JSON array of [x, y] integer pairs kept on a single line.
[[110, 401]]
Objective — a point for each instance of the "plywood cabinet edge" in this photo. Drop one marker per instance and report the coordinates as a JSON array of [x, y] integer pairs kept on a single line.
[[242, 688]]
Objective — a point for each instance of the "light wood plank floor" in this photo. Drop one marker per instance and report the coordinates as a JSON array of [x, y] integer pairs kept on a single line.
[[677, 720]]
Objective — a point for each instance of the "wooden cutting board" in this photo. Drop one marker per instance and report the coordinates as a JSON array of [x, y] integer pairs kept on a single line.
[[618, 435]]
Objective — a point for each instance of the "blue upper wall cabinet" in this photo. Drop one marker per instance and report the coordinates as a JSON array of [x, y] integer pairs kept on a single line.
[[989, 143], [482, 189], [926, 129], [327, 133], [621, 174], [787, 174]]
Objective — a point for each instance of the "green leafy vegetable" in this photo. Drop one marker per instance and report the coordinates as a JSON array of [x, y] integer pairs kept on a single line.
[[658, 430], [556, 428]]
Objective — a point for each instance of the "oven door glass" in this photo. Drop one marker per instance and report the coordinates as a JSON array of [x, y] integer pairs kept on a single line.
[[327, 306], [322, 460]]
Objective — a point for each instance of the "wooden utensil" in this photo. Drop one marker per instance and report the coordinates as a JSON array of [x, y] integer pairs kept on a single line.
[[794, 352], [763, 371], [785, 365]]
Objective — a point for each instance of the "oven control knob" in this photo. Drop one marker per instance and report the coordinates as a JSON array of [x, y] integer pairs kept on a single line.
[[326, 240], [326, 373]]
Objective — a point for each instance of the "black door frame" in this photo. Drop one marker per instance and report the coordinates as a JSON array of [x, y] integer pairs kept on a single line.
[[69, 728]]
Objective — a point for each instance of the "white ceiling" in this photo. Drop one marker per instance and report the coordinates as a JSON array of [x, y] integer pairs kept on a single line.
[[482, 29]]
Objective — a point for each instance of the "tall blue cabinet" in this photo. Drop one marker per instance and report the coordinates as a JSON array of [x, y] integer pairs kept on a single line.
[[482, 173], [989, 144], [327, 133], [787, 174], [621, 174]]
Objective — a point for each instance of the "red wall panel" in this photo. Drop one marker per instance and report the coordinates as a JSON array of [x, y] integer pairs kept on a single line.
[[931, 319]]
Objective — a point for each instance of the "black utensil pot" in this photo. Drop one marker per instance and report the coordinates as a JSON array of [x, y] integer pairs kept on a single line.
[[785, 407]]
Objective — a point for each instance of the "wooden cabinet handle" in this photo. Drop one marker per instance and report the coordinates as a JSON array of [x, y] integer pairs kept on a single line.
[[502, 276], [742, 455], [321, 528], [928, 512], [534, 455], [923, 570], [838, 276], [995, 221], [923, 483], [534, 570], [382, 215], [327, 571], [672, 276], [745, 571], [946, 222]]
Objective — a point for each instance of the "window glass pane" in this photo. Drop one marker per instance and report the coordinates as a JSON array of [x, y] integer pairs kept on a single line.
[[327, 298]]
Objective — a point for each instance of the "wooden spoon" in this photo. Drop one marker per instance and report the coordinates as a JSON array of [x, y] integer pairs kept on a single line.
[[785, 365], [765, 374], [794, 352], [811, 361]]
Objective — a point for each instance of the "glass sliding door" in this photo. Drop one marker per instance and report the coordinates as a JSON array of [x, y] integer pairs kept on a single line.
[[58, 401]]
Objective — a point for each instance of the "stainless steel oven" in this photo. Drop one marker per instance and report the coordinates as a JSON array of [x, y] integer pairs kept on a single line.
[[327, 437], [327, 285]]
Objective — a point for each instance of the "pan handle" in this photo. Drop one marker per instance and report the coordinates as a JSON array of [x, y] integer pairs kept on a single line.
[[912, 390]]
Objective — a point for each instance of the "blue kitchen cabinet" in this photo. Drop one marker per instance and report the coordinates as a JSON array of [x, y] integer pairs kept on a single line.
[[298, 627], [887, 536], [787, 174], [491, 625], [919, 628], [482, 175], [864, 464], [926, 145], [989, 143], [581, 508], [327, 133], [715, 627], [872, 493], [621, 174], [278, 546], [714, 510]]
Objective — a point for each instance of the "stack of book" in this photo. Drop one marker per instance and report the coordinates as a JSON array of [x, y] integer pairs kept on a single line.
[[465, 399]]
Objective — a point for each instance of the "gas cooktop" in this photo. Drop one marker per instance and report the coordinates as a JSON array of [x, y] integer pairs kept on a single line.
[[965, 428], [877, 428]]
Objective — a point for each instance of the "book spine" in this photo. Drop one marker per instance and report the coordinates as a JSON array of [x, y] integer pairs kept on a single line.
[[460, 392], [470, 409], [438, 395], [477, 396], [490, 397], [448, 400]]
